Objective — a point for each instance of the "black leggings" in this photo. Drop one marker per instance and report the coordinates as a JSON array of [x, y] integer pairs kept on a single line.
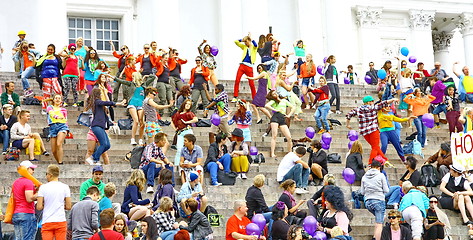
[[335, 92]]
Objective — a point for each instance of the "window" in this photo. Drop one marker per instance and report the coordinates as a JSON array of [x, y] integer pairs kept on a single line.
[[96, 32]]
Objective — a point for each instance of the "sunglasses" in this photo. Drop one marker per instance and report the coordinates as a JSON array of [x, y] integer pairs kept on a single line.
[[392, 217], [123, 49], [144, 48], [176, 53], [433, 201], [92, 52], [73, 49], [198, 60], [154, 93]]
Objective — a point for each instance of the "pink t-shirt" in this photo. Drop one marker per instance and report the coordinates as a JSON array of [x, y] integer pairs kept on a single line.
[[396, 235], [19, 187]]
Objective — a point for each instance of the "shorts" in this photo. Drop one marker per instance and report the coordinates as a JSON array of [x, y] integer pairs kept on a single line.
[[307, 81], [56, 128], [136, 107], [152, 128], [278, 118], [223, 126], [447, 203], [18, 144], [187, 171], [91, 136], [377, 208], [246, 134]]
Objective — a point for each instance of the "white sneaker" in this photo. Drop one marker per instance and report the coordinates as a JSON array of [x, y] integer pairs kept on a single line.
[[239, 176], [89, 160], [43, 112], [150, 189], [301, 191], [133, 142], [243, 176], [140, 142], [97, 164]]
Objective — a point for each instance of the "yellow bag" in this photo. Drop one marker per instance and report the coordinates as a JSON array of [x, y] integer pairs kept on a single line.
[[37, 147], [10, 209]]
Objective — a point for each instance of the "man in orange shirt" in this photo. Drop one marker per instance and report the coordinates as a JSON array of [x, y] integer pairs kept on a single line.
[[236, 224]]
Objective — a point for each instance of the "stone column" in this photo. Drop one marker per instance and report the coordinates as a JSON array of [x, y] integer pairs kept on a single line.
[[368, 19], [465, 24], [441, 43], [421, 35]]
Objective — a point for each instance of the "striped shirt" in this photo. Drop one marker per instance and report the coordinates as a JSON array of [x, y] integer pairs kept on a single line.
[[367, 117]]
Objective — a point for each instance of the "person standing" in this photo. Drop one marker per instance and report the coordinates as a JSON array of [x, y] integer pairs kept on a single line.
[[54, 198], [83, 218], [249, 48], [50, 65], [24, 194], [373, 74], [331, 74], [374, 186], [368, 123]]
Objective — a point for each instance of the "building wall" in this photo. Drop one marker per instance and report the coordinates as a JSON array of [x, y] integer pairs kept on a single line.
[[326, 26]]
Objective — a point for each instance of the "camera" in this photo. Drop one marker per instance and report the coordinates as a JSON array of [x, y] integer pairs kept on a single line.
[[309, 150], [304, 234]]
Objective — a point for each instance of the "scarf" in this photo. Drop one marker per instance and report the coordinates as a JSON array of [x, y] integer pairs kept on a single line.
[[443, 218], [293, 200], [41, 60]]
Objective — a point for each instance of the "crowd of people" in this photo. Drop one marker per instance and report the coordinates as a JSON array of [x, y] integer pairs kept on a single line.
[[153, 90]]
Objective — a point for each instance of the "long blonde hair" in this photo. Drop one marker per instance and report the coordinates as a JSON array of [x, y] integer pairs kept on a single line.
[[310, 64], [357, 147], [137, 178]]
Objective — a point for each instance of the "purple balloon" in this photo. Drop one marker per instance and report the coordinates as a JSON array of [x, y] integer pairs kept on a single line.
[[310, 225], [310, 132], [327, 138], [368, 79], [428, 120], [253, 151], [325, 59], [353, 135], [215, 119], [320, 69], [412, 59], [325, 146], [346, 80], [214, 50], [350, 144], [259, 220], [349, 175], [319, 235], [252, 229]]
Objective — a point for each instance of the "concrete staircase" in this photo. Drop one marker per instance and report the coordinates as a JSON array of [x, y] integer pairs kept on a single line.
[[74, 171]]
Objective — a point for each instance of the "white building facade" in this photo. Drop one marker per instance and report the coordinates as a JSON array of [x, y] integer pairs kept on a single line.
[[355, 31]]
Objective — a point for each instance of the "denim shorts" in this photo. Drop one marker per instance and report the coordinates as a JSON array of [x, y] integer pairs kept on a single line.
[[377, 208], [136, 107], [307, 81], [56, 128]]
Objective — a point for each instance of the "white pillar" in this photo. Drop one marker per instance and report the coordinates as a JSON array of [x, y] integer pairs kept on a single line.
[[441, 43], [367, 19], [421, 32], [466, 28]]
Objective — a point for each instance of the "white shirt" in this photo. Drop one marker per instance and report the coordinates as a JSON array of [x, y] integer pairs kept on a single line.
[[456, 180], [406, 84], [286, 164], [54, 194]]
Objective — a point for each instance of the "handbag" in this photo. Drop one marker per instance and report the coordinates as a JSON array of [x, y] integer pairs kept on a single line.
[[10, 209], [258, 158], [84, 119], [228, 178], [125, 124], [12, 154], [334, 158]]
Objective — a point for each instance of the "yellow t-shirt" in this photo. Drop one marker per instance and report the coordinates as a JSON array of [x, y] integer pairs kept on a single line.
[[468, 84]]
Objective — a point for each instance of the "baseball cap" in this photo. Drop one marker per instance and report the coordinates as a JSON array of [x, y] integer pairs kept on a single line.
[[28, 164], [97, 169], [368, 99], [193, 176]]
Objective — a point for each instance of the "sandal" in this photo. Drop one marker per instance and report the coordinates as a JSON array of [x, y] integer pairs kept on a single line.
[[468, 223]]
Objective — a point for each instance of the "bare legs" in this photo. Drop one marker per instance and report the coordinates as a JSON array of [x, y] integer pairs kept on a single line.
[[56, 146]]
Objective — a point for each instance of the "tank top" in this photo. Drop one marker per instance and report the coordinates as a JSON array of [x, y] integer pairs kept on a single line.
[[198, 81], [138, 97], [146, 65], [71, 67], [164, 77], [50, 68], [149, 111], [176, 72], [451, 185]]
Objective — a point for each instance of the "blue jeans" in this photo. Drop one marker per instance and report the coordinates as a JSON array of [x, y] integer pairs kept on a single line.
[[398, 128], [212, 167], [102, 136], [394, 195], [28, 72], [440, 108], [25, 226], [151, 172], [298, 174], [377, 208], [321, 116], [393, 138], [168, 235], [180, 145], [5, 135], [469, 97], [421, 130]]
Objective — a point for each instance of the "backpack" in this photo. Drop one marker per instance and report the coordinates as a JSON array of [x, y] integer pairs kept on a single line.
[[134, 156], [429, 177], [334, 158], [413, 147], [125, 124], [213, 216], [31, 101], [12, 154], [226, 178]]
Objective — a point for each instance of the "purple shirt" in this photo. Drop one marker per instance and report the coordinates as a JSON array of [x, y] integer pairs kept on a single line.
[[438, 91]]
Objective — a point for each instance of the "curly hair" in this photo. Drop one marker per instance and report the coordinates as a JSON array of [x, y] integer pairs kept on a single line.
[[185, 91], [335, 197], [240, 114]]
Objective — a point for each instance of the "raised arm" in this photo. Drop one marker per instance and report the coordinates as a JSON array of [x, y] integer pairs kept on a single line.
[[455, 71]]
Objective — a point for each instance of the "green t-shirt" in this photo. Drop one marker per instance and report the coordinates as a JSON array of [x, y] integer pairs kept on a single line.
[[281, 106], [87, 184]]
